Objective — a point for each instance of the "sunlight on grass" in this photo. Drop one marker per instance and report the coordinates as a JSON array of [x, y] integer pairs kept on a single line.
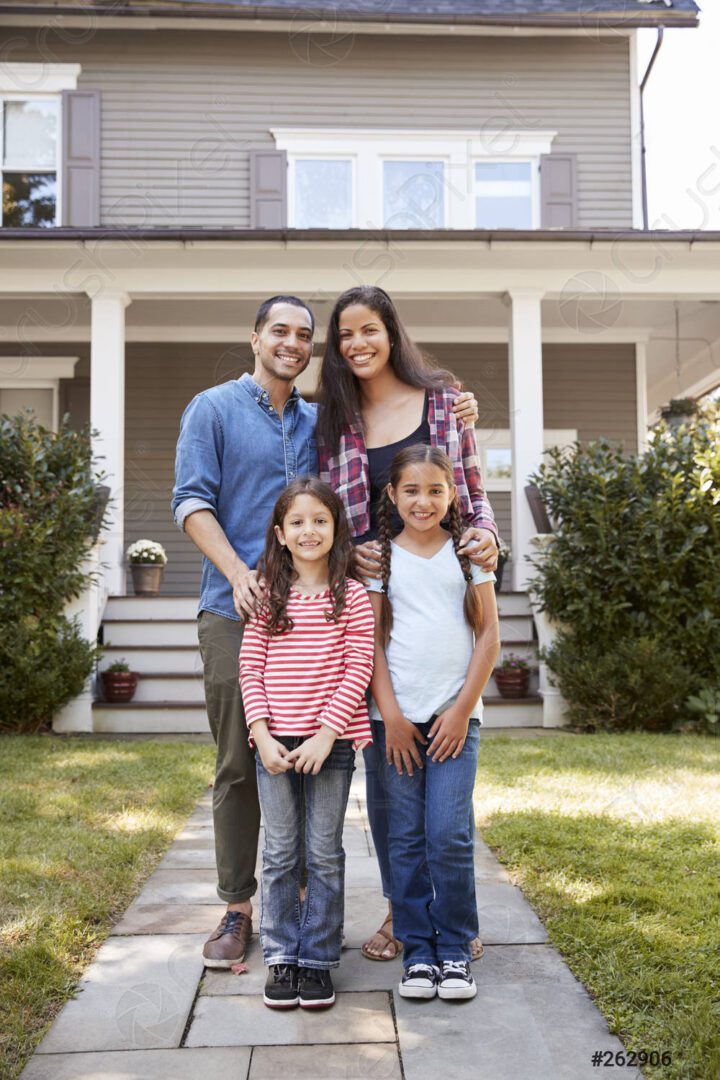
[[615, 840], [82, 825]]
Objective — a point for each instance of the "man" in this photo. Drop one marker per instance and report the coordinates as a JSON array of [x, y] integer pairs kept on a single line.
[[240, 444]]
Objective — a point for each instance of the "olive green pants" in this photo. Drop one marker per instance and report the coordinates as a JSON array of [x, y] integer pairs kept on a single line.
[[236, 810]]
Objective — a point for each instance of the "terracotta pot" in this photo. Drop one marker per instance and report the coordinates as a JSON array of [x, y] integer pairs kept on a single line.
[[118, 685], [146, 578], [512, 684]]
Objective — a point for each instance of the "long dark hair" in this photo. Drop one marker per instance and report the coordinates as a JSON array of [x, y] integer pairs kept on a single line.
[[339, 388], [422, 455], [277, 564]]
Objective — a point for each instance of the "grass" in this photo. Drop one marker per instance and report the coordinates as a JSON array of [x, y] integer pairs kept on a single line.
[[615, 840], [82, 825]]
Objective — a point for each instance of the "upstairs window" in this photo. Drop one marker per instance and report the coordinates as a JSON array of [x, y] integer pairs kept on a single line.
[[413, 179], [323, 195], [503, 195], [413, 194], [29, 137]]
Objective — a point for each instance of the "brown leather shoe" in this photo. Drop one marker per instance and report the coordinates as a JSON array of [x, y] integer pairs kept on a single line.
[[227, 945]]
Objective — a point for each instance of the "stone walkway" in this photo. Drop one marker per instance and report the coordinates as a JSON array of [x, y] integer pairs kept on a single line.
[[147, 1010]]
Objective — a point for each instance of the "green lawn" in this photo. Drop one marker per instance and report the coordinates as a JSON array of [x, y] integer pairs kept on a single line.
[[615, 840], [82, 824]]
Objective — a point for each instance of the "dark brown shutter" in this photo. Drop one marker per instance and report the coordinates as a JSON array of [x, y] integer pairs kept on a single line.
[[558, 191], [80, 157], [268, 189]]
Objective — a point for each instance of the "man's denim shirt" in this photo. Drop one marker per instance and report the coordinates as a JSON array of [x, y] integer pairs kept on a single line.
[[234, 457]]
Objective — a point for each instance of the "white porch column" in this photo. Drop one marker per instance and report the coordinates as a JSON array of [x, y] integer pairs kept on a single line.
[[107, 416], [641, 396], [526, 419]]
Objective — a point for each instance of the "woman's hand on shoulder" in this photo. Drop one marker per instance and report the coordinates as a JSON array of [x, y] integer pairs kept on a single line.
[[480, 546], [401, 744], [465, 407], [310, 755], [367, 558], [447, 735]]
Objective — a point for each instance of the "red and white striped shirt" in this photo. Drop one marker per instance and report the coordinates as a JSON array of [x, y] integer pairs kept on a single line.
[[316, 673]]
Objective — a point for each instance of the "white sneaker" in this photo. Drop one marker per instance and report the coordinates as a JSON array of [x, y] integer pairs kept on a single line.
[[455, 981], [419, 981]]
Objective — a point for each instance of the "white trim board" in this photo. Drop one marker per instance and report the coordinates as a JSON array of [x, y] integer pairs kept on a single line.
[[23, 79]]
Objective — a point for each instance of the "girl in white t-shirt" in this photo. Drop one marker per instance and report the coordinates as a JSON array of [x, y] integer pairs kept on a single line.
[[437, 640]]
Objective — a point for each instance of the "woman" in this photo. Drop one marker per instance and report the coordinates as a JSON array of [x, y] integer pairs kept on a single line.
[[378, 394]]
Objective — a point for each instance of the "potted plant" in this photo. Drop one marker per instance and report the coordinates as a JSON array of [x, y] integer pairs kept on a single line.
[[119, 683], [504, 553], [512, 676], [147, 561]]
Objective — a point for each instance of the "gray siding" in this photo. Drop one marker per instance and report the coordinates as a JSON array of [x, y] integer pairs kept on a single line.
[[181, 112]]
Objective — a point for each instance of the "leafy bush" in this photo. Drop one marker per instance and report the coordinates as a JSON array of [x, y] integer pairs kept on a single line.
[[47, 520], [633, 574]]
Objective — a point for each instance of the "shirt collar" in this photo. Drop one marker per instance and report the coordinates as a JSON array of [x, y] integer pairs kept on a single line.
[[260, 394]]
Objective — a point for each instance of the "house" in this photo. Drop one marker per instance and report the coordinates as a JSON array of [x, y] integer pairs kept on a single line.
[[167, 164]]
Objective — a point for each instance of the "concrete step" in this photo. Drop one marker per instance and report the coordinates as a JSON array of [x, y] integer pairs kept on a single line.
[[170, 687], [508, 712], [169, 660], [151, 607], [517, 628], [150, 717], [139, 631], [513, 603]]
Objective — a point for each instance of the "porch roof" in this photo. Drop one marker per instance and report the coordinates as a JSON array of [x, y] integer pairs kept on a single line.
[[540, 13], [481, 236]]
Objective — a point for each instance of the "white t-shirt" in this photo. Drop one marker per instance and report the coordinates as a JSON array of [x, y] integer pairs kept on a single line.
[[430, 642]]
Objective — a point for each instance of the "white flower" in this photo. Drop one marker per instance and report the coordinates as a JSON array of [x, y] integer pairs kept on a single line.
[[146, 551]]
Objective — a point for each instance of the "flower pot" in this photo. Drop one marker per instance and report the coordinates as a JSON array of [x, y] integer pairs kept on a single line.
[[146, 578], [512, 684], [118, 685]]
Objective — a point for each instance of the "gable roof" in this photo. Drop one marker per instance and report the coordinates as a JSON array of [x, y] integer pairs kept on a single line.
[[548, 13]]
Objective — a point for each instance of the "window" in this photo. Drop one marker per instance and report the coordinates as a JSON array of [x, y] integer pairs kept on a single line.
[[413, 195], [37, 388], [494, 450], [503, 195], [322, 194], [30, 121], [29, 137], [420, 179]]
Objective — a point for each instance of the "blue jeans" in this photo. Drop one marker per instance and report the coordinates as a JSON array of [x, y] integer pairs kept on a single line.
[[377, 802], [310, 934], [432, 868]]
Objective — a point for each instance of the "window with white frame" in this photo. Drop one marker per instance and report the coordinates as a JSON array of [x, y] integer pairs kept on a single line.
[[34, 384], [419, 179], [495, 453], [30, 150]]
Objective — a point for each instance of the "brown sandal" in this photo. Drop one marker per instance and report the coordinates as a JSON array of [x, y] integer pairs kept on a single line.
[[476, 949], [391, 941]]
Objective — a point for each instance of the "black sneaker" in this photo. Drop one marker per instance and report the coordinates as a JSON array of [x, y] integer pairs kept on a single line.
[[419, 981], [315, 988], [281, 988], [455, 981]]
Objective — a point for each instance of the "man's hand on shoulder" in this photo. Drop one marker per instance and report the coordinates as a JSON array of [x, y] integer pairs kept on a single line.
[[248, 591]]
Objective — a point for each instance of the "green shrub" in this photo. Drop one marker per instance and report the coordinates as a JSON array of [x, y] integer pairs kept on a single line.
[[633, 574], [47, 520]]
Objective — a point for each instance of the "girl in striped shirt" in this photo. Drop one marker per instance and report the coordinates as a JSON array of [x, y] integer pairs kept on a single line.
[[305, 663]]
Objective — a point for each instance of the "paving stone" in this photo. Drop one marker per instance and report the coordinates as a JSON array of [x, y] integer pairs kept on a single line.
[[546, 1032], [218, 983], [222, 1063], [169, 919], [362, 871], [361, 1061], [180, 887], [131, 998], [196, 834], [365, 910], [355, 840], [189, 858], [505, 917], [245, 1021]]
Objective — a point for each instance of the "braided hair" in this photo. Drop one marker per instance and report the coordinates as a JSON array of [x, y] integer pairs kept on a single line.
[[422, 455], [277, 565]]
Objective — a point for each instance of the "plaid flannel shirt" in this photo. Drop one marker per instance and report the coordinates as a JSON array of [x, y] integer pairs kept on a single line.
[[348, 472]]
